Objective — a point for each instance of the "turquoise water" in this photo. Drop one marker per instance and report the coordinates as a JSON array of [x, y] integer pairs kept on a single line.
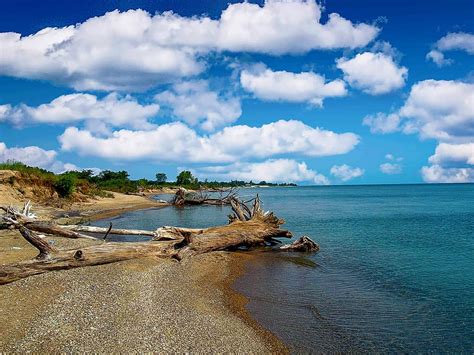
[[394, 274]]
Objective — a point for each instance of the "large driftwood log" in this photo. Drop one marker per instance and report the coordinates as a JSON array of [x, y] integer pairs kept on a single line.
[[92, 255], [248, 227], [223, 197]]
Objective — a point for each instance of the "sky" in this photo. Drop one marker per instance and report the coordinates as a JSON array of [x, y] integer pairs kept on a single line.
[[311, 92]]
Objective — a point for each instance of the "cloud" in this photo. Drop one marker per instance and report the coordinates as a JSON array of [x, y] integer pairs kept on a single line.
[[449, 154], [195, 104], [134, 50], [438, 174], [345, 172], [309, 87], [391, 157], [281, 27], [112, 52], [459, 41], [390, 168], [177, 142], [113, 110], [382, 123], [35, 156], [373, 73], [273, 170], [438, 58], [437, 109], [440, 109]]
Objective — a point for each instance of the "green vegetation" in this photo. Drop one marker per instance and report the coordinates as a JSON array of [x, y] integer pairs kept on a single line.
[[88, 183], [65, 185], [186, 178], [27, 170], [161, 178]]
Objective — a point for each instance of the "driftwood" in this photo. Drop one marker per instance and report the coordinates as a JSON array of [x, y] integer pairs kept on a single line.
[[223, 197], [15, 218], [54, 229], [102, 230], [248, 227], [303, 244]]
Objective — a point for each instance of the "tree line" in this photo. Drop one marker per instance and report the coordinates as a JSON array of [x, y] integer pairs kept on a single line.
[[119, 181]]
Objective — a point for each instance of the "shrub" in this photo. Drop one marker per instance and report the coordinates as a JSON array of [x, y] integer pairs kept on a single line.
[[65, 185]]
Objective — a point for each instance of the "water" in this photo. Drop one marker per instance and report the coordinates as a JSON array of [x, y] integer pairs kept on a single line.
[[394, 274]]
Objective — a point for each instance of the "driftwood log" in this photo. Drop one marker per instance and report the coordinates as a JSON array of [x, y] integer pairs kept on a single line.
[[248, 227], [15, 218], [106, 230], [221, 197]]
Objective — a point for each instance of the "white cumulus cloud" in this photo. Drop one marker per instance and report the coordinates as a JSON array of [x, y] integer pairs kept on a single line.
[[308, 87], [194, 103], [448, 154], [438, 58], [35, 156], [440, 109], [391, 168], [438, 174], [459, 41], [134, 50], [373, 73], [437, 109], [382, 123], [345, 172], [272, 170], [113, 110], [292, 26], [177, 142]]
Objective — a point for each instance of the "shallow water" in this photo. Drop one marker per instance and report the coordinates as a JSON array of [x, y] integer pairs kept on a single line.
[[394, 274]]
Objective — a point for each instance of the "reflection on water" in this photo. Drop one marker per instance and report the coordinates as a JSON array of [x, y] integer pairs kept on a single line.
[[394, 273]]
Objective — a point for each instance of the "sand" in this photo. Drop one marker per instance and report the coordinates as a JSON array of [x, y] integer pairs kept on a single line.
[[132, 306], [137, 305]]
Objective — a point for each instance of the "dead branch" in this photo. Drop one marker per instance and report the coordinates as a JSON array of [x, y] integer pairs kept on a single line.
[[42, 245]]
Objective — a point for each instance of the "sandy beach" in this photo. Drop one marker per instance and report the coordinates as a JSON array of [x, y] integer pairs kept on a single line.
[[136, 305]]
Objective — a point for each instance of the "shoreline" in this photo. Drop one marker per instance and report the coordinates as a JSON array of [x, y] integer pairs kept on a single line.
[[233, 263], [237, 303]]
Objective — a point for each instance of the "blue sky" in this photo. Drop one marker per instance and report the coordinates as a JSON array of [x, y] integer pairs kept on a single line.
[[382, 92]]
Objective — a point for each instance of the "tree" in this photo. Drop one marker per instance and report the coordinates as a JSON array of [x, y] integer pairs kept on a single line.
[[142, 182], [112, 175], [65, 185], [185, 178], [161, 178]]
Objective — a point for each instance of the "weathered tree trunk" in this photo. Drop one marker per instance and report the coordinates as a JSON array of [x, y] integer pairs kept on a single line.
[[51, 228], [248, 227], [104, 253], [103, 230]]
